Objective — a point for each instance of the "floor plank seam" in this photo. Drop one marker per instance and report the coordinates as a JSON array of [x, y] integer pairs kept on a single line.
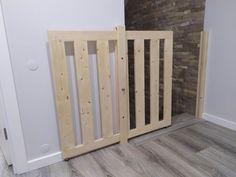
[[165, 131]]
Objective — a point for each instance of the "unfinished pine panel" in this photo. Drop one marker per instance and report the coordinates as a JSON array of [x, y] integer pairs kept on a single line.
[[97, 144], [147, 128], [168, 62], [154, 79], [118, 121], [202, 73], [62, 94], [139, 82], [132, 35], [104, 77], [122, 83], [83, 35], [84, 90], [154, 37], [168, 53]]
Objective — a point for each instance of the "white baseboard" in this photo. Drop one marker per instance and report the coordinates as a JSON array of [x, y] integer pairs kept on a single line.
[[219, 121], [44, 161]]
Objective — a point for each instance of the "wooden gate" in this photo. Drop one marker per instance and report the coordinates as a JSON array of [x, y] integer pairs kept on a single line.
[[120, 37], [154, 38]]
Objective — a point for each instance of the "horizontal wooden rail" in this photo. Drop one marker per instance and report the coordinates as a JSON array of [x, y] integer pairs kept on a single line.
[[133, 35], [82, 35]]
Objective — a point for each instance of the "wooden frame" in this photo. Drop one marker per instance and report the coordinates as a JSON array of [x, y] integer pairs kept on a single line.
[[154, 37], [62, 94], [201, 74], [80, 40]]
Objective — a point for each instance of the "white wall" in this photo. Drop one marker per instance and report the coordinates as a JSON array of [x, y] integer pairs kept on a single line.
[[220, 98], [27, 23], [4, 60], [14, 151]]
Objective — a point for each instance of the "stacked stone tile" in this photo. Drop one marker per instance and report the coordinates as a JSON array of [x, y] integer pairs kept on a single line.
[[186, 19]]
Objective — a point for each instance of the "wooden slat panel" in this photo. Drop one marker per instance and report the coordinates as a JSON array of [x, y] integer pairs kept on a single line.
[[154, 79], [62, 94], [168, 54], [99, 143], [202, 73], [133, 35], [105, 92], [139, 82], [104, 76], [148, 128], [84, 90], [122, 63], [83, 35]]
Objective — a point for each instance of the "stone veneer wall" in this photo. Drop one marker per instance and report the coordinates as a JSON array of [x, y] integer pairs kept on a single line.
[[186, 19]]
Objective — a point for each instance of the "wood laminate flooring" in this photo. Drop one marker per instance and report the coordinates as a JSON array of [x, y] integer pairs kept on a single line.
[[189, 148]]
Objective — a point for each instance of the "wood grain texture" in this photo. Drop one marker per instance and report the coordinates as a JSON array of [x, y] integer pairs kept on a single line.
[[97, 144], [62, 94], [154, 79], [84, 91], [82, 35], [147, 128], [132, 35], [199, 150], [80, 39], [168, 67], [179, 122], [104, 77], [201, 74], [122, 82], [139, 38], [139, 83]]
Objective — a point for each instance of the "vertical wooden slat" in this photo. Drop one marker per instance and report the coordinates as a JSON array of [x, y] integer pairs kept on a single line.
[[154, 79], [104, 76], [168, 54], [84, 90], [117, 86], [202, 73], [122, 71], [62, 94], [139, 82]]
